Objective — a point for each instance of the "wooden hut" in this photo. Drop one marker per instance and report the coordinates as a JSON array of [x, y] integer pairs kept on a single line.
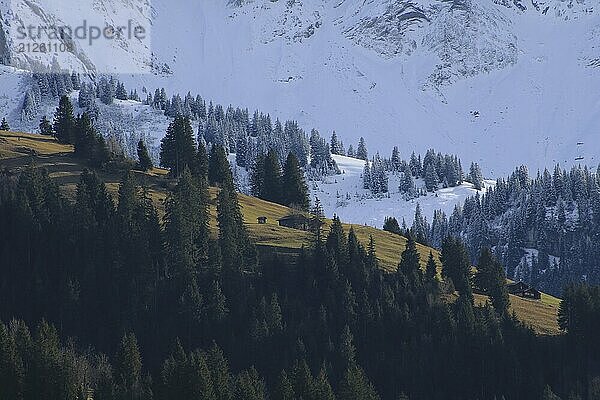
[[522, 289], [295, 221]]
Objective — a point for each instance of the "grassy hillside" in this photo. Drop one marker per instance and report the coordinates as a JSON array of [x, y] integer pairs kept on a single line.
[[541, 314], [18, 150]]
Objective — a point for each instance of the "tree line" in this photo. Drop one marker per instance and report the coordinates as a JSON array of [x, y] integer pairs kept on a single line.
[[544, 229]]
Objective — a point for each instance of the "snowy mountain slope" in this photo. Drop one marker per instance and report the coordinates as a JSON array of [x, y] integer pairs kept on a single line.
[[79, 53], [513, 80], [501, 82], [344, 196], [13, 83]]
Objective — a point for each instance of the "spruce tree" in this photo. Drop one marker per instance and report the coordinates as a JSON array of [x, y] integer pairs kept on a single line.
[[128, 368], [12, 370], [177, 150], [231, 229], [415, 165], [337, 241], [284, 389], [249, 386], [64, 121], [201, 167], [303, 380], [367, 177], [475, 176], [317, 217], [219, 170], [355, 385], [361, 150], [219, 372], [395, 159], [294, 188], [456, 265], [187, 238], [4, 125], [334, 144], [200, 383], [84, 136], [407, 184], [322, 388], [409, 264], [420, 227], [350, 152], [46, 127], [89, 143], [257, 176], [431, 268], [271, 184], [390, 224], [431, 178], [491, 278], [144, 160]]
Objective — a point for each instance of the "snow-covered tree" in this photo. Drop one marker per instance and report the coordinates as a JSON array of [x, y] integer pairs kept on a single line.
[[361, 150], [476, 176]]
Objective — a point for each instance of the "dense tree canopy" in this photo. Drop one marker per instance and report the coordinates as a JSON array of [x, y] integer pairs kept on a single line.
[[172, 310]]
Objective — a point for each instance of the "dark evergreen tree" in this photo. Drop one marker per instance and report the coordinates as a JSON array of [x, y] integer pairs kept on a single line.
[[355, 385], [187, 239], [64, 121], [491, 279], [431, 178], [395, 160], [4, 125], [456, 265], [219, 170], [89, 144], [201, 167], [335, 144], [420, 228], [390, 224], [407, 184], [128, 369], [46, 127], [121, 92], [322, 387], [361, 150], [233, 239], [271, 189], [415, 165], [284, 389], [144, 160], [409, 265], [431, 269], [350, 152], [475, 176], [294, 187], [177, 150]]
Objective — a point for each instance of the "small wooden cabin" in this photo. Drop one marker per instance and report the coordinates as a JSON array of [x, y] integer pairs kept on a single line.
[[295, 221], [522, 289], [262, 220]]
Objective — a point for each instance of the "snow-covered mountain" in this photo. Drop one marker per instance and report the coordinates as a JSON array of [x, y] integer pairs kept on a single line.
[[501, 82]]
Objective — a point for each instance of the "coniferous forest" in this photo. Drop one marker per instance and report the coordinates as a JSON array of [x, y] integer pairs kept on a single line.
[[103, 298], [164, 245]]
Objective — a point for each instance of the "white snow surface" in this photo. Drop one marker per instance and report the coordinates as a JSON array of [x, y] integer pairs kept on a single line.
[[486, 80], [365, 209]]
